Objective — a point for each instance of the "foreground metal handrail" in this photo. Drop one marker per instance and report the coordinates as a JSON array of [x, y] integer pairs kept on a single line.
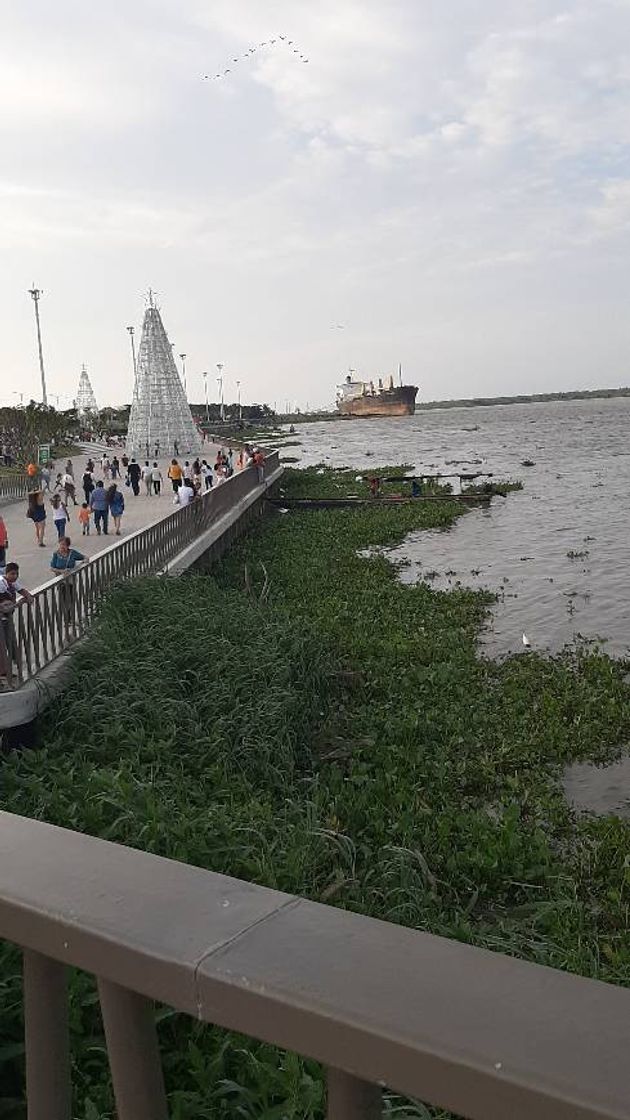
[[62, 609], [485, 1035], [13, 487]]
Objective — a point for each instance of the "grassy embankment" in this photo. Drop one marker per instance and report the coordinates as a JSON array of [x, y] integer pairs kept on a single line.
[[340, 739]]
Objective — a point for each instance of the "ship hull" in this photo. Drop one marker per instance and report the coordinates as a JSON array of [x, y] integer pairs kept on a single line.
[[391, 402]]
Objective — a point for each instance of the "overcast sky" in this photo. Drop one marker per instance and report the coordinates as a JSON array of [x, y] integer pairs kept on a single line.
[[448, 180]]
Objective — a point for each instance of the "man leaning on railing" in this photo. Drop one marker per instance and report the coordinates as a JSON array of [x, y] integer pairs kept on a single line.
[[64, 562], [10, 588]]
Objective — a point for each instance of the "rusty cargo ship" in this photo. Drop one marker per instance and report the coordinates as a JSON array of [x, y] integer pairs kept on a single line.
[[364, 398]]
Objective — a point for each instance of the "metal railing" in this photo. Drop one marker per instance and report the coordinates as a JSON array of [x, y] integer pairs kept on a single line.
[[483, 1034], [13, 487], [38, 632]]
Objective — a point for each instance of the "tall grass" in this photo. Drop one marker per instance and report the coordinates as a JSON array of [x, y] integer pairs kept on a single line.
[[340, 739]]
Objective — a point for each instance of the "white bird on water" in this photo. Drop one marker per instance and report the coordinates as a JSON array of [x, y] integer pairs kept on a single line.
[[526, 642]]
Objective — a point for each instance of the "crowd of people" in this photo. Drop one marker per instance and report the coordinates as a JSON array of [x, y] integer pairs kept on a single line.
[[102, 509]]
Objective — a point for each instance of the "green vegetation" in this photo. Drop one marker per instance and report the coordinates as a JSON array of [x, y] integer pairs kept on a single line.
[[339, 738], [23, 429]]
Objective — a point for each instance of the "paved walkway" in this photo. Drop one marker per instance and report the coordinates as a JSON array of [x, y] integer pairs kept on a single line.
[[139, 512]]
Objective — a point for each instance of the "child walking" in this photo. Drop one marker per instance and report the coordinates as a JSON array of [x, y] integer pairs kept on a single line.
[[84, 519]]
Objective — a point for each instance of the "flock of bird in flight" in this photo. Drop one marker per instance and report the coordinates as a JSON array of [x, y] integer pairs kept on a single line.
[[252, 51]]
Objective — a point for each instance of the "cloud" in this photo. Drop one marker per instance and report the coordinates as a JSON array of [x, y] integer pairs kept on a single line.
[[430, 165]]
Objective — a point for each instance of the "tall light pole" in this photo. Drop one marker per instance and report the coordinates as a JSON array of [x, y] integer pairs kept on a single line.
[[205, 385], [220, 384], [132, 331], [238, 397], [183, 360], [36, 294]]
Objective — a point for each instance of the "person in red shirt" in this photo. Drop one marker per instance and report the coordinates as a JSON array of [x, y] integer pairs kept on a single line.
[[4, 544]]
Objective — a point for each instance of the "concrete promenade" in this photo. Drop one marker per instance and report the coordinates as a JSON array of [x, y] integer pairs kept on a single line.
[[139, 513]]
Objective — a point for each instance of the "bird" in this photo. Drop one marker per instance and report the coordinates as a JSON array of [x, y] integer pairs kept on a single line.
[[526, 641], [252, 50]]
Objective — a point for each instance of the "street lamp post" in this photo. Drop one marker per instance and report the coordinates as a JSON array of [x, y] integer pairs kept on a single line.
[[36, 294], [220, 384], [183, 361], [238, 397], [205, 385], [132, 331]]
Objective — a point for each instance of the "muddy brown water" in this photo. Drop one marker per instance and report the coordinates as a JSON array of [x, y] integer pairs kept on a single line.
[[575, 502]]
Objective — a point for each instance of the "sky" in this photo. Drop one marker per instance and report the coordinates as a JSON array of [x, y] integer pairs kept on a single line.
[[445, 185]]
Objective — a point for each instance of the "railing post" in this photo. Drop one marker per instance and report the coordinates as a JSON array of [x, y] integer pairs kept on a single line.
[[46, 1037], [134, 1056], [349, 1098]]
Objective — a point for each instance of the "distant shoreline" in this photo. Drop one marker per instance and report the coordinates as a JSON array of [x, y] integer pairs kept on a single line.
[[533, 398]]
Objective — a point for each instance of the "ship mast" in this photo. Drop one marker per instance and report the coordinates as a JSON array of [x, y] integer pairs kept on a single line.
[[400, 374]]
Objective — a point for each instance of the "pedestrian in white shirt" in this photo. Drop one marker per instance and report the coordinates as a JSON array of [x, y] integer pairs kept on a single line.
[[147, 477], [185, 495], [156, 478]]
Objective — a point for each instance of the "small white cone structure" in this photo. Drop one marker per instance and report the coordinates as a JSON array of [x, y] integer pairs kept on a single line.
[[160, 422], [86, 400]]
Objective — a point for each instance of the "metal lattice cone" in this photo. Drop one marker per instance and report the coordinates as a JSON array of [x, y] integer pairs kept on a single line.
[[86, 400], [160, 422]]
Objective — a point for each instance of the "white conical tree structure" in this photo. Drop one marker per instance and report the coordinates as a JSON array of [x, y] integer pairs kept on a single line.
[[160, 421], [86, 400]]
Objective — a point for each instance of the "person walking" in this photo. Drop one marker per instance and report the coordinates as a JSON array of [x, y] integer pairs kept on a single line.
[[60, 515], [4, 544], [99, 507], [36, 511], [84, 519], [44, 474], [125, 462], [70, 469], [115, 467], [259, 463], [133, 474], [116, 504], [206, 472], [69, 488], [147, 477], [90, 466], [156, 478], [87, 483], [175, 474]]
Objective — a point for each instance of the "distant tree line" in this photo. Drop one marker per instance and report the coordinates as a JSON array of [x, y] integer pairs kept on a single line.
[[531, 398]]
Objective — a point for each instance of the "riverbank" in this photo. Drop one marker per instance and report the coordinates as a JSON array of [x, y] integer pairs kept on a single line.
[[303, 720]]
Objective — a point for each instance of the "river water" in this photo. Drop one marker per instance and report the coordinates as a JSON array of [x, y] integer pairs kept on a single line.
[[575, 502]]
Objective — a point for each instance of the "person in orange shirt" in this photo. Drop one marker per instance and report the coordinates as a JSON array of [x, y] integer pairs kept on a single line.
[[176, 475], [84, 519]]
